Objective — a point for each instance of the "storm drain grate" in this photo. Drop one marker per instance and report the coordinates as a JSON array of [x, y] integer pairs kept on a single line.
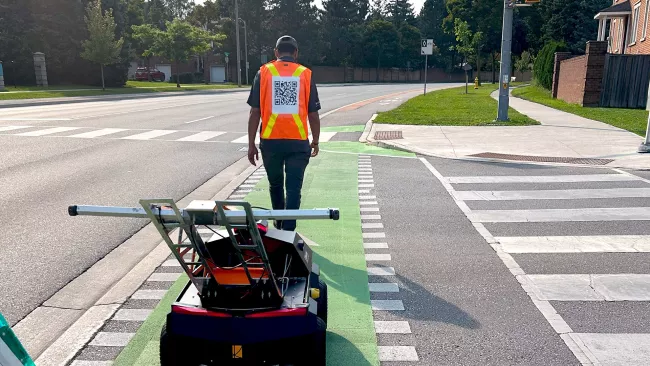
[[544, 159], [388, 135]]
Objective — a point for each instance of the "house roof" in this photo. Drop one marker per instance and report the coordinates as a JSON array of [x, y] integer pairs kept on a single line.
[[619, 9]]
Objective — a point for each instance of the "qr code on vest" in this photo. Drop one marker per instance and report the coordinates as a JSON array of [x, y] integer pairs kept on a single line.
[[285, 92]]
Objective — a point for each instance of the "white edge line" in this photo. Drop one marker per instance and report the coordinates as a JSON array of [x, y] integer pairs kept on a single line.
[[545, 307], [200, 119], [383, 156]]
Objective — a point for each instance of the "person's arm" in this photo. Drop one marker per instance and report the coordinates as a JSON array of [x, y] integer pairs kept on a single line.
[[254, 119], [314, 125], [253, 125], [314, 117]]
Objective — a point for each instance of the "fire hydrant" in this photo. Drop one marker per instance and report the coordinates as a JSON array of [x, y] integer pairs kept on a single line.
[[476, 83]]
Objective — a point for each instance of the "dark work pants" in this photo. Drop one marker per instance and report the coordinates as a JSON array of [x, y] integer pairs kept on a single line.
[[290, 160]]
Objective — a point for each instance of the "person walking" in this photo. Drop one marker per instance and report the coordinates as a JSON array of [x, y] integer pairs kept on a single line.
[[284, 98]]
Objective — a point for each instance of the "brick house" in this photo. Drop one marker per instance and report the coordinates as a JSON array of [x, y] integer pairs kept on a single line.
[[627, 22]]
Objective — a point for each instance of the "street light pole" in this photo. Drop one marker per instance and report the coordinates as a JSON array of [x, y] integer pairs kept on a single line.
[[645, 145], [238, 47], [506, 47], [245, 47]]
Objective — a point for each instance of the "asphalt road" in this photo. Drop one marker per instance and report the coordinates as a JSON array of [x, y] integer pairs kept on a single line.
[[115, 152], [586, 275]]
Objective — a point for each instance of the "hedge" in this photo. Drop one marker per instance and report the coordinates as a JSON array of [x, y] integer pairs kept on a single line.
[[545, 62]]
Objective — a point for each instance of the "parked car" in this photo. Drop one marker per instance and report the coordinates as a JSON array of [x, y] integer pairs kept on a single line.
[[156, 75]]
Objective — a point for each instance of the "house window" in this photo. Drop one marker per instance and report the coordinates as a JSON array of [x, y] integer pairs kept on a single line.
[[635, 23], [645, 22]]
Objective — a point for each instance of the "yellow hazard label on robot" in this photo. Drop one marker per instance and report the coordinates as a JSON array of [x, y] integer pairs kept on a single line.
[[237, 351]]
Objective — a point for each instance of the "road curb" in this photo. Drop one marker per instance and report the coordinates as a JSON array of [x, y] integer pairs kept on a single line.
[[53, 332], [366, 130], [101, 98]]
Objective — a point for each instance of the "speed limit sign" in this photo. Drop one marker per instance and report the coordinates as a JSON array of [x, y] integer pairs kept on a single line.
[[426, 47]]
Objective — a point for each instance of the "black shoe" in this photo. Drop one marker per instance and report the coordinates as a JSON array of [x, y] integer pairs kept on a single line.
[[277, 224]]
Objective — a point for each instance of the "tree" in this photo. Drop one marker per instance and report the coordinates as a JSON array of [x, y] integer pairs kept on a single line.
[[409, 41], [570, 21], [468, 44], [524, 62], [178, 42], [179, 8], [381, 40], [401, 11], [101, 46]]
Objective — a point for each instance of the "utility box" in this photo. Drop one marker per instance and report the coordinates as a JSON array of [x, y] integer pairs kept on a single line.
[[40, 69]]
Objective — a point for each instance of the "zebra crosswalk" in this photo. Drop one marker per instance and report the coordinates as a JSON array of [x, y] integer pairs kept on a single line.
[[582, 267], [135, 134]]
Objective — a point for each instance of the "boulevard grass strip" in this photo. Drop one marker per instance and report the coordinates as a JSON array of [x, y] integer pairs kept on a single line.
[[130, 88], [452, 107], [352, 128], [633, 120], [331, 181], [143, 349], [359, 148]]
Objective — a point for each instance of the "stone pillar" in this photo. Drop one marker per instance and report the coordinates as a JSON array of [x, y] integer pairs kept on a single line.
[[40, 69], [595, 64], [2, 78], [559, 57]]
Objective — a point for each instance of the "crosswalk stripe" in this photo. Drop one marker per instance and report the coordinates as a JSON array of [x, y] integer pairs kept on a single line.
[[91, 363], [139, 315], [378, 257], [369, 209], [387, 305], [375, 245], [576, 244], [373, 235], [560, 194], [48, 131], [558, 215], [12, 128], [149, 294], [370, 217], [111, 339], [397, 353], [325, 136], [615, 348], [202, 136], [372, 225], [381, 271], [383, 287], [98, 133], [149, 135], [164, 276], [394, 327], [590, 287], [244, 139], [543, 178]]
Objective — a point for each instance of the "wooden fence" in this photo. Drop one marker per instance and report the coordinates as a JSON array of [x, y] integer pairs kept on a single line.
[[625, 81]]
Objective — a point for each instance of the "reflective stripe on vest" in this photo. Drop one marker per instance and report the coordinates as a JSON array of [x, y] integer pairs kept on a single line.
[[296, 117]]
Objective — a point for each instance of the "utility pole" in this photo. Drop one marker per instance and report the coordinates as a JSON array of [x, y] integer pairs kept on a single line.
[[245, 48], [238, 48], [506, 47]]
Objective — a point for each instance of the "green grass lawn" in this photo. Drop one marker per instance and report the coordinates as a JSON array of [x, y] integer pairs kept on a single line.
[[132, 87], [633, 120], [452, 107]]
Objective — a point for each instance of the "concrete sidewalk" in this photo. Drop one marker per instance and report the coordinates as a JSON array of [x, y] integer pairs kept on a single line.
[[560, 134]]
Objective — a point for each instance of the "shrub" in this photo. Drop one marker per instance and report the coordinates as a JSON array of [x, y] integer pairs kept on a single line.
[[544, 63], [185, 78]]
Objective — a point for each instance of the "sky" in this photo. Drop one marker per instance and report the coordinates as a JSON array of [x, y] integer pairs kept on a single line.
[[417, 4]]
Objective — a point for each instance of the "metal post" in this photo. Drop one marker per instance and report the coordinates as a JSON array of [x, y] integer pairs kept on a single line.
[[245, 48], [238, 48], [645, 146], [506, 45], [426, 63]]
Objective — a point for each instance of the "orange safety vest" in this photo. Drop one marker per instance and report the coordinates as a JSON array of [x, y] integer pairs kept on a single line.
[[284, 99]]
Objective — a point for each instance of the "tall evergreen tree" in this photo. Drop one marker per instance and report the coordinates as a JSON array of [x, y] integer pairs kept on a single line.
[[570, 21], [400, 11]]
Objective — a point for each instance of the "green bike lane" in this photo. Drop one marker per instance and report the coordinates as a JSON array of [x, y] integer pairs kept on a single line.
[[330, 181]]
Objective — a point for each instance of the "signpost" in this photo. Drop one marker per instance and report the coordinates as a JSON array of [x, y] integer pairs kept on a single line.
[[466, 67], [426, 50]]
